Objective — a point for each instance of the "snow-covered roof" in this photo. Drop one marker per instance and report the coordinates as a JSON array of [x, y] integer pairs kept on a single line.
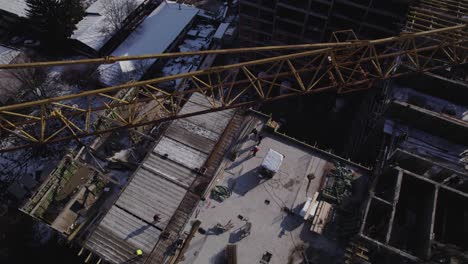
[[17, 7], [93, 29], [154, 35], [90, 31], [97, 7], [7, 54]]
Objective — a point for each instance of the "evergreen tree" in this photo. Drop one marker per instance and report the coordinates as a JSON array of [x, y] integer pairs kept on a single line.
[[54, 19]]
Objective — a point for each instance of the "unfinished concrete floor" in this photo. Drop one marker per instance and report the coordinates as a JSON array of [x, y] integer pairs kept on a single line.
[[261, 201]]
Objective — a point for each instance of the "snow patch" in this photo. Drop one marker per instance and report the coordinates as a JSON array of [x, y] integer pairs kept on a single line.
[[93, 29], [121, 155], [154, 35]]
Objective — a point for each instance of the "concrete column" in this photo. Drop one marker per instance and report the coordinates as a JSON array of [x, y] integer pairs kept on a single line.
[[396, 196]]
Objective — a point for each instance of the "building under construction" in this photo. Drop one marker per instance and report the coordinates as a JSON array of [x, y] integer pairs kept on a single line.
[[282, 22], [417, 205], [415, 128]]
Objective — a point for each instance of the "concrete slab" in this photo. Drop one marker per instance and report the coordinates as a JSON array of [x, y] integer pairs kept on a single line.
[[260, 202]]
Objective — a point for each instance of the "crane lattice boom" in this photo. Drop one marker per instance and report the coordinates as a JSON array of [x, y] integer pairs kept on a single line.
[[343, 67]]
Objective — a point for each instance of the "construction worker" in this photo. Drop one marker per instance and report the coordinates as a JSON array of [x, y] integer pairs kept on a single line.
[[156, 218], [139, 252], [255, 150], [259, 140]]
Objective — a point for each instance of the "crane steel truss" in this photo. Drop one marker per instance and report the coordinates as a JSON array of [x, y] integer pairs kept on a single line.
[[339, 67], [433, 14]]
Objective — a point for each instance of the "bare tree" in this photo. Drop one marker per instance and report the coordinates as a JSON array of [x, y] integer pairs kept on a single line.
[[33, 81], [85, 76], [25, 83], [116, 11], [140, 67]]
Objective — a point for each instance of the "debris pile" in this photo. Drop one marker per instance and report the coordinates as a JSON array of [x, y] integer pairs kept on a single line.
[[339, 184]]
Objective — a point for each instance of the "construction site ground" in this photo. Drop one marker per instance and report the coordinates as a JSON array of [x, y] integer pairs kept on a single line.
[[261, 202]]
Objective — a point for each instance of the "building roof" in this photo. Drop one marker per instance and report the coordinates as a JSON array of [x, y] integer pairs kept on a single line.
[[154, 35], [120, 233], [7, 54], [92, 29], [10, 84], [260, 202], [158, 186], [17, 7], [181, 153], [98, 7], [213, 122], [150, 193]]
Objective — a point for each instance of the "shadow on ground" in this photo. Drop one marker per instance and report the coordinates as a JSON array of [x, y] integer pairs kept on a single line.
[[246, 182]]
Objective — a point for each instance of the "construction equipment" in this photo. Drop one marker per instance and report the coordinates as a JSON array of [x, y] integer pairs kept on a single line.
[[342, 67], [220, 228], [271, 163], [339, 184], [245, 229], [220, 193]]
